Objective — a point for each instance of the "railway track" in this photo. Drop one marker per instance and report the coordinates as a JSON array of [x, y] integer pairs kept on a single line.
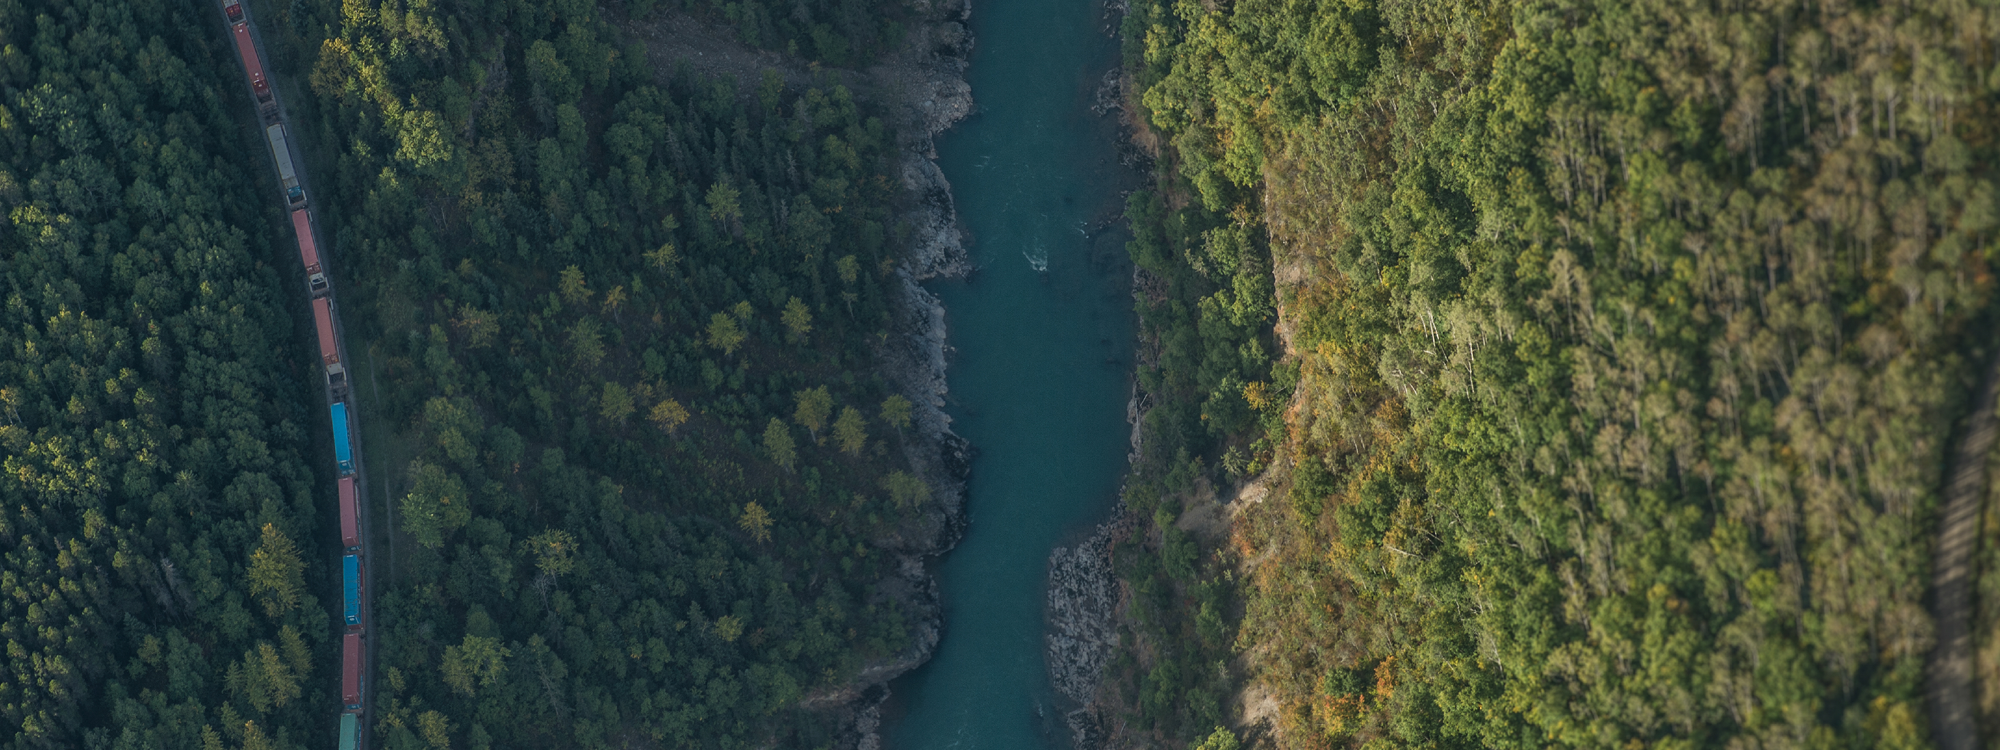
[[356, 648]]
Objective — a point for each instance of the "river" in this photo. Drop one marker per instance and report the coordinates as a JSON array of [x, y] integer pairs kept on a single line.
[[1039, 381]]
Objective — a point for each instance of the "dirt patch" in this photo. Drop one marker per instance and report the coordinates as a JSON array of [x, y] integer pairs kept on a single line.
[[1258, 706], [1203, 516]]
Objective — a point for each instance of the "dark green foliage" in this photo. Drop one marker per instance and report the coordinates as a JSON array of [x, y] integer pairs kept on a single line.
[[838, 33], [575, 275], [152, 399], [1627, 340]]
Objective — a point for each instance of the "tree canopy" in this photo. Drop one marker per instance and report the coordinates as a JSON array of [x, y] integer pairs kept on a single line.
[[1621, 346], [586, 292], [160, 503]]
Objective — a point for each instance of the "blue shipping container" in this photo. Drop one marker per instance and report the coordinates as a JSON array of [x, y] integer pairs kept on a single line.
[[350, 587], [348, 727], [341, 454]]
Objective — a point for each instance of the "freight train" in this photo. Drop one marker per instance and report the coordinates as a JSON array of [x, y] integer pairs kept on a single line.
[[353, 567]]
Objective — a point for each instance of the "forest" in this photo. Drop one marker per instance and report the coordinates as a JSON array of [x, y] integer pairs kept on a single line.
[[619, 325], [1586, 369], [159, 514]]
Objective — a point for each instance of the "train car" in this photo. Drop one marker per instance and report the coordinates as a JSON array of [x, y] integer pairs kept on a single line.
[[350, 672], [288, 178], [233, 9], [350, 517], [253, 66], [350, 730], [342, 456], [350, 589], [329, 347], [309, 251]]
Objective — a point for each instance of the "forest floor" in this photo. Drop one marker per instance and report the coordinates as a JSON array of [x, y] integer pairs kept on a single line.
[[1953, 720], [919, 90], [711, 49], [392, 453]]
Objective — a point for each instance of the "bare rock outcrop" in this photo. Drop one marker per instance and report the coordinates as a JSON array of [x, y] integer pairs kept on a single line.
[[1083, 629]]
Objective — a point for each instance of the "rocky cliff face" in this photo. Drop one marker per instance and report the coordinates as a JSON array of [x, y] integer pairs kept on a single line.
[[924, 88]]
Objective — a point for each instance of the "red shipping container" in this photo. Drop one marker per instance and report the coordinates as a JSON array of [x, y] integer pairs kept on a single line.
[[350, 515], [329, 348], [252, 64], [350, 673], [308, 251]]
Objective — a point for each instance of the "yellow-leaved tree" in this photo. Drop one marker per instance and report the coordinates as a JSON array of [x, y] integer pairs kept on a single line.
[[851, 431], [277, 576], [725, 334], [755, 521], [435, 729], [814, 406], [896, 411], [478, 661], [668, 415], [798, 320]]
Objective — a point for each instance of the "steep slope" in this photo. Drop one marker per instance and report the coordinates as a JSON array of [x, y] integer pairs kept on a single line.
[[625, 326], [158, 483], [1624, 343]]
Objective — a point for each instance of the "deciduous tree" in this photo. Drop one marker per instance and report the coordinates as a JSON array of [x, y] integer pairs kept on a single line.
[[814, 406], [668, 415], [896, 411], [798, 320], [724, 334], [755, 521], [851, 430], [277, 575], [476, 662]]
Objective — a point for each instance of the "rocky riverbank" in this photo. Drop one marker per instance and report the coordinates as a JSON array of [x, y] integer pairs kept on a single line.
[[924, 90], [1083, 634], [920, 90], [1085, 596]]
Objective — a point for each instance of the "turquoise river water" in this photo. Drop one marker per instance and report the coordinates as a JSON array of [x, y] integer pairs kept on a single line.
[[1039, 381]]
